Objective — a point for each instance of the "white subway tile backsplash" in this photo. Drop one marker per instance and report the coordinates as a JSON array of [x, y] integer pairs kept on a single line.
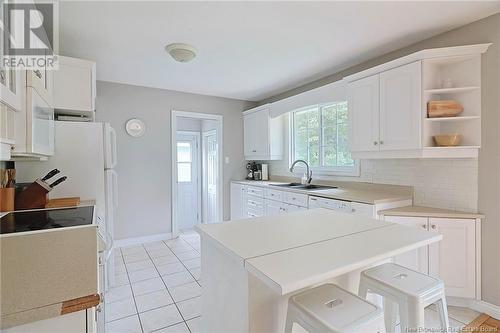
[[442, 183]]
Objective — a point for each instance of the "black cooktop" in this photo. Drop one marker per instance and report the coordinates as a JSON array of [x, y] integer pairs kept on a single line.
[[20, 221]]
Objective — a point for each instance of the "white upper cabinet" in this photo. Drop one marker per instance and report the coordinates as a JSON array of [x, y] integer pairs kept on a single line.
[[400, 98], [42, 80], [384, 110], [363, 101], [263, 135], [75, 85], [388, 105], [10, 88]]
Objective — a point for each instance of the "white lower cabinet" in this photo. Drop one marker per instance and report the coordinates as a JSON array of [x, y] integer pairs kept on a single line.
[[292, 208], [254, 205], [252, 201], [417, 259], [238, 197], [454, 259], [75, 322], [274, 208]]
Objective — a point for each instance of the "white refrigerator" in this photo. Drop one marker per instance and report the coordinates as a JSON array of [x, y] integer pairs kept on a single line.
[[86, 154]]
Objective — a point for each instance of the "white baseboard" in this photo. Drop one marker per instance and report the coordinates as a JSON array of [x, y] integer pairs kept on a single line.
[[488, 308], [144, 239], [477, 305]]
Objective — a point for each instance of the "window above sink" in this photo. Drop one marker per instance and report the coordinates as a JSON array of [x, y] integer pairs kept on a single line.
[[319, 135]]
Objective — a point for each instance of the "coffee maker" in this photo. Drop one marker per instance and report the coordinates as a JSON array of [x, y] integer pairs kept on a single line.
[[254, 171]]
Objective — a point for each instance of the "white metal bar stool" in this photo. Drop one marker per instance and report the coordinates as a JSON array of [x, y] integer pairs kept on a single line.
[[408, 290], [330, 309]]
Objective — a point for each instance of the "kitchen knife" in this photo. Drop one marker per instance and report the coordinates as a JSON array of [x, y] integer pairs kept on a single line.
[[57, 182], [50, 174]]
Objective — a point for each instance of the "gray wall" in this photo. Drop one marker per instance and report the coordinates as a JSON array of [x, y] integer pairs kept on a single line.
[[144, 164], [482, 31]]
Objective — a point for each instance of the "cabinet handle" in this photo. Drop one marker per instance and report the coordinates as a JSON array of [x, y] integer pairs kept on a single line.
[[38, 73], [375, 143], [381, 142], [433, 226], [254, 151], [424, 226], [353, 210]]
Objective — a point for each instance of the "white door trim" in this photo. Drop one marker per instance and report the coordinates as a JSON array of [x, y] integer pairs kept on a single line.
[[173, 145]]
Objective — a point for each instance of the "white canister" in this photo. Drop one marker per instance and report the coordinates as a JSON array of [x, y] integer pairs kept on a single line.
[[265, 172]]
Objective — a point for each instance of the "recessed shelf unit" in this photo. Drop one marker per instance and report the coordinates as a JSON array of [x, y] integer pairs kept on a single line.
[[455, 78]]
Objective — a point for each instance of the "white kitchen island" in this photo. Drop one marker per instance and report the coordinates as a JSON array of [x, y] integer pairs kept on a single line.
[[250, 267]]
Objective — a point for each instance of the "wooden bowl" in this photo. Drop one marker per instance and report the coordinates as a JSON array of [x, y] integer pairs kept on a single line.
[[447, 140], [436, 109]]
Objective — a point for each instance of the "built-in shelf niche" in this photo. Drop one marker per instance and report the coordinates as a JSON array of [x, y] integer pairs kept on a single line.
[[464, 74]]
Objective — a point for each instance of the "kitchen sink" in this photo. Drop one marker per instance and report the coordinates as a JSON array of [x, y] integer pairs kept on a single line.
[[315, 187], [305, 187], [287, 185]]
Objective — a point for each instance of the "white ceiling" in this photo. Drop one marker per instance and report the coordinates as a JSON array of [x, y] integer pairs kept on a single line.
[[248, 50]]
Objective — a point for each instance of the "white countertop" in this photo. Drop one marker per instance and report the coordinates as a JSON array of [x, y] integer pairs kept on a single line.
[[420, 211], [295, 250], [322, 261], [249, 238], [367, 195]]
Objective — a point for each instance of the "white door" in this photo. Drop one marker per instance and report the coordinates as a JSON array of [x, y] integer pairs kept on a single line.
[[188, 192], [400, 112], [453, 259], [210, 174], [363, 102], [415, 259]]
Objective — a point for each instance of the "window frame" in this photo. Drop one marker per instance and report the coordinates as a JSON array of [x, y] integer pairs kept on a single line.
[[190, 162], [353, 171]]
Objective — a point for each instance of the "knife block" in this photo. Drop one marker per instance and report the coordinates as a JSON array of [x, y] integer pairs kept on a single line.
[[7, 199], [34, 196]]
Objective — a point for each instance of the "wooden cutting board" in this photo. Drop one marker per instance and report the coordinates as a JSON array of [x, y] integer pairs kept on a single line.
[[63, 202]]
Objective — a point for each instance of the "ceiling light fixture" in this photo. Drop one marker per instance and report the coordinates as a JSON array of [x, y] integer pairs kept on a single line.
[[181, 52]]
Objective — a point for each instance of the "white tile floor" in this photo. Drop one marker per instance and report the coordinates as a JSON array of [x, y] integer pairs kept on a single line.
[[158, 289]]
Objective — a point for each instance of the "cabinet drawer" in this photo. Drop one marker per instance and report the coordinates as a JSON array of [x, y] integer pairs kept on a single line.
[[253, 201], [274, 195], [296, 199], [363, 209], [259, 192], [255, 211]]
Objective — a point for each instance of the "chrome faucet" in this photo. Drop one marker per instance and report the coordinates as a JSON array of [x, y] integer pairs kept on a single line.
[[307, 175]]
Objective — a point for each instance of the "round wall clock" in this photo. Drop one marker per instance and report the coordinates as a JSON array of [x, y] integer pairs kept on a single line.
[[135, 127]]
